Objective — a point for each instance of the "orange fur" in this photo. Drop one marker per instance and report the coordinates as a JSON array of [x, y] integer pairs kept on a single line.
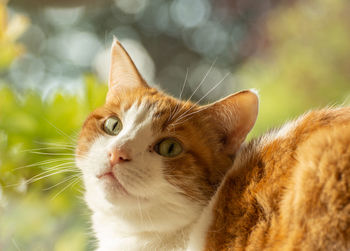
[[291, 193], [199, 136], [288, 190]]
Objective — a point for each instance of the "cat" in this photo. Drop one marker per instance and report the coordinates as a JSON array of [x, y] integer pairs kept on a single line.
[[166, 174]]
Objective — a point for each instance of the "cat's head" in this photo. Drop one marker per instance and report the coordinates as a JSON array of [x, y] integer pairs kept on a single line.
[[145, 150]]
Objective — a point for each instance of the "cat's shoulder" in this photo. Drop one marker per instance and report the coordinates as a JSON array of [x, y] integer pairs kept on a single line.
[[309, 123], [279, 148], [252, 189]]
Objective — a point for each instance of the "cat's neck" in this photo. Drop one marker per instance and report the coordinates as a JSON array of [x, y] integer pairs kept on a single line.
[[113, 233], [160, 226]]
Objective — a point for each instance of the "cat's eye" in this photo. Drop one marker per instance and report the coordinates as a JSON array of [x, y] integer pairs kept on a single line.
[[168, 147], [112, 126]]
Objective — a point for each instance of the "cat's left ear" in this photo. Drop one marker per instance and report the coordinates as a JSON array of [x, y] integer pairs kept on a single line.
[[123, 73], [236, 116]]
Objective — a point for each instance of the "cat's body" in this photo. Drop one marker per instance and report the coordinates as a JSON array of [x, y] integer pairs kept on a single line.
[[288, 190], [163, 174]]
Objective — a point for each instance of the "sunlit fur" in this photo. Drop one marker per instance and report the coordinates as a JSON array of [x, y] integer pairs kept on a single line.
[[288, 190], [166, 194]]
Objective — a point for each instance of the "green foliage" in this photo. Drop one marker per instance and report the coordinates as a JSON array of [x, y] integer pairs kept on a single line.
[[306, 65], [28, 122], [36, 135], [37, 138]]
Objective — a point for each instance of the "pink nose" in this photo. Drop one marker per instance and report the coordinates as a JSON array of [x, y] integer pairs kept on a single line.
[[117, 156]]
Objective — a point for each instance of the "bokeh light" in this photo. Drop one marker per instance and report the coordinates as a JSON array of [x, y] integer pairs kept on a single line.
[[190, 14], [54, 63]]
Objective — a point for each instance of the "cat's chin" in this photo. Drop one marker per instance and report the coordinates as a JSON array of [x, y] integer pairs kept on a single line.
[[116, 193]]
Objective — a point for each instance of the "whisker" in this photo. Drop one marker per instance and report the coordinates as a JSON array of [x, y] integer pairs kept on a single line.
[[212, 89], [43, 162], [60, 131], [53, 144], [45, 175], [200, 83], [53, 154], [59, 166], [188, 115], [49, 148], [177, 104], [70, 184], [184, 84], [61, 182], [204, 78]]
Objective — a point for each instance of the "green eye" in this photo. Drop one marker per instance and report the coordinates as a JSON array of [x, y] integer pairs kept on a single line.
[[168, 147], [112, 126]]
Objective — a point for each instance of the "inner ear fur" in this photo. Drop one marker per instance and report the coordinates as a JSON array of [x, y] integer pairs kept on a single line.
[[236, 116], [123, 74]]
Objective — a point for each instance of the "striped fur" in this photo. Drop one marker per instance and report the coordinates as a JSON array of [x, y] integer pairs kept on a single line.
[[288, 190]]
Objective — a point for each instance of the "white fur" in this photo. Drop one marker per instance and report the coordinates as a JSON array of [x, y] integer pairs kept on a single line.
[[198, 234], [154, 216], [200, 230]]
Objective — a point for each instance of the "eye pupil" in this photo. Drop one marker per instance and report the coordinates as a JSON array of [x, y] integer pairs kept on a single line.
[[171, 148], [115, 125], [168, 147], [112, 126]]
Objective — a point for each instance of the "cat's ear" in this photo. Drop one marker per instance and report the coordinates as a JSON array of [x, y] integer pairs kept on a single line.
[[236, 116], [123, 73]]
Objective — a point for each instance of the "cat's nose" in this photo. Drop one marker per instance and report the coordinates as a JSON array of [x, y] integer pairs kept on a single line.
[[118, 155]]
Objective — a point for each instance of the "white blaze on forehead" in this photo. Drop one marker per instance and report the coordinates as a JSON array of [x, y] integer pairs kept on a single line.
[[135, 137], [136, 132], [137, 115]]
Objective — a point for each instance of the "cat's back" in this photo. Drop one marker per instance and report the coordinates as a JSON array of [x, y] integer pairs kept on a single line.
[[289, 190], [315, 211]]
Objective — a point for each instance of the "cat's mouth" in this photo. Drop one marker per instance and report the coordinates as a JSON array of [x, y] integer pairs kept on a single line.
[[109, 176]]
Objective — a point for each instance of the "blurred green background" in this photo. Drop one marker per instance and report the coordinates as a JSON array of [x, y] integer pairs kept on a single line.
[[54, 64]]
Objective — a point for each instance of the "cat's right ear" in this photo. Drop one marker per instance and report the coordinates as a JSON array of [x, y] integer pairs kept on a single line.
[[123, 73], [236, 116]]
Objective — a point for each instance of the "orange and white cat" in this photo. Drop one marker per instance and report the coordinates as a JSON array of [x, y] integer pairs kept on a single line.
[[165, 174]]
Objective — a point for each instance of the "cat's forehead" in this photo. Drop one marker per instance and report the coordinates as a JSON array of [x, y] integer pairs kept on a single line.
[[141, 104], [163, 115], [145, 104]]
